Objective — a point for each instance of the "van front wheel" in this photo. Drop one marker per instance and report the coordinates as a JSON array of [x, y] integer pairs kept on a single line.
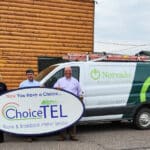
[[142, 119]]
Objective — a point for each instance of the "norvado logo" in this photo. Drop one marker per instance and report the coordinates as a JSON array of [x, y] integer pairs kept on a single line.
[[97, 74]]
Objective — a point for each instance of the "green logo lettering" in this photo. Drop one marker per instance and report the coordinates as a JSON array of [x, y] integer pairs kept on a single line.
[[48, 102]]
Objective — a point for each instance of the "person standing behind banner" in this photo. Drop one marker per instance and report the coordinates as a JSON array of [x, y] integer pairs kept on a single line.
[[30, 82], [72, 85], [3, 89]]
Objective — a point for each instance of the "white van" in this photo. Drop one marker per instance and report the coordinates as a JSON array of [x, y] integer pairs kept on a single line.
[[113, 91]]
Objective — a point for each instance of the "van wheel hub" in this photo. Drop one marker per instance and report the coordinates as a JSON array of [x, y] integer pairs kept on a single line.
[[144, 119]]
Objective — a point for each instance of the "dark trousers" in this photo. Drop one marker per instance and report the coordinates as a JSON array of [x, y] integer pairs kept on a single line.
[[71, 131], [1, 136]]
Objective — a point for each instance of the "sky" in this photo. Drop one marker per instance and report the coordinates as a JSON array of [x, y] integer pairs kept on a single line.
[[122, 26]]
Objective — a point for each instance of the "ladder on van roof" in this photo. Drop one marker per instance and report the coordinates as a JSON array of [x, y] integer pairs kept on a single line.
[[104, 57]]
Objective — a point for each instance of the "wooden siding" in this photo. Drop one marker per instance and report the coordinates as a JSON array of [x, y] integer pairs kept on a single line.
[[33, 28]]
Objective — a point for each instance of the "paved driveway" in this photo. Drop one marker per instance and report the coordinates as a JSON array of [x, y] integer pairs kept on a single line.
[[91, 137]]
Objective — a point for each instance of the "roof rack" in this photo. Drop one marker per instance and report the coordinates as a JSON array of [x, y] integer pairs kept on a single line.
[[143, 53], [104, 57]]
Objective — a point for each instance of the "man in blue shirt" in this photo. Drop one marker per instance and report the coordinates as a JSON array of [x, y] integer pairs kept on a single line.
[[30, 82]]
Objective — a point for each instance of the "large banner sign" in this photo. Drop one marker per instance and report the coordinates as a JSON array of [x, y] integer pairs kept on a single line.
[[38, 110]]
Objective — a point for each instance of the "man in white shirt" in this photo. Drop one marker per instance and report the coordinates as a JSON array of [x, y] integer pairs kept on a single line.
[[72, 85], [30, 82]]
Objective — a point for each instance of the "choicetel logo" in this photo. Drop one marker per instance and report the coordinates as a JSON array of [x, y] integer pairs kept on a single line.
[[12, 111], [8, 109]]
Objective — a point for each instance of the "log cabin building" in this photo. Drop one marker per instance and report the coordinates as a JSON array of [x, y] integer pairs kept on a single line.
[[34, 31]]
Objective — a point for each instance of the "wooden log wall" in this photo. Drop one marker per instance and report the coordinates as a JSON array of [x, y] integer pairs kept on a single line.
[[33, 28]]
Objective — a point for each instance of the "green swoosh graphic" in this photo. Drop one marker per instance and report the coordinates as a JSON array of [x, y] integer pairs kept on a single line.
[[144, 90]]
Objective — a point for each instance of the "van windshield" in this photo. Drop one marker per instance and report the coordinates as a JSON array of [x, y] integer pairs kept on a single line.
[[45, 72]]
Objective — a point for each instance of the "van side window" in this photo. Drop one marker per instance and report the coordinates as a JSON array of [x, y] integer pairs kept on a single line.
[[75, 72], [51, 81]]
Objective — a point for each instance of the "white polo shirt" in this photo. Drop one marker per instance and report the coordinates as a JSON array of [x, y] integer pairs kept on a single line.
[[71, 85]]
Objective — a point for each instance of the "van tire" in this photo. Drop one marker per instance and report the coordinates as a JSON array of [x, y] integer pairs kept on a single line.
[[142, 119]]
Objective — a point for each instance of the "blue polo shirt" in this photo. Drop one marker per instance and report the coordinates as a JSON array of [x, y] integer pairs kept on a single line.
[[28, 83]]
